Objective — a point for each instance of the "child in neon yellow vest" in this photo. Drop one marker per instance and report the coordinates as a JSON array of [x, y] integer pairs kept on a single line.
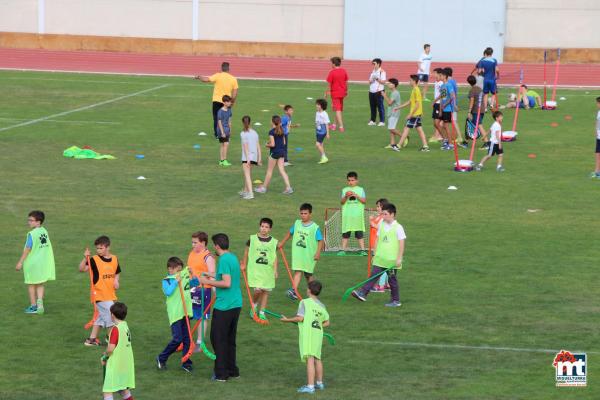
[[307, 244], [177, 277], [312, 317], [260, 258], [37, 262], [119, 373], [388, 255], [353, 213]]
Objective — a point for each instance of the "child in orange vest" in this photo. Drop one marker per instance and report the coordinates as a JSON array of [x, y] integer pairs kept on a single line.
[[200, 261], [105, 279]]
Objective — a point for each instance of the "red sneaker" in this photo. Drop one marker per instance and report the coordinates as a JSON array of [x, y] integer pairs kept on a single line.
[[332, 127]]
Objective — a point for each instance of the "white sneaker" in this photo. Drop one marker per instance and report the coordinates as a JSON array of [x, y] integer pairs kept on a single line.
[[287, 164], [242, 193], [248, 196], [371, 123], [260, 189], [288, 191], [381, 124]]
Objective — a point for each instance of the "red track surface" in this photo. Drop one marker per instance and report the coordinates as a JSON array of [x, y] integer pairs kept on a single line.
[[269, 68]]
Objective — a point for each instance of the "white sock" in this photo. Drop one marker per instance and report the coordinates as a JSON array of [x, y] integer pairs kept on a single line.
[[319, 382], [310, 386]]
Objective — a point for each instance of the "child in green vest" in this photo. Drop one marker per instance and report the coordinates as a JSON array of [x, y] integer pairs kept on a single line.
[[353, 213], [119, 373], [311, 317], [307, 244], [177, 277], [260, 258], [37, 262], [388, 255]]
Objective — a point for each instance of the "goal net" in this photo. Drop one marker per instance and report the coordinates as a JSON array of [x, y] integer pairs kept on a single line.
[[332, 233]]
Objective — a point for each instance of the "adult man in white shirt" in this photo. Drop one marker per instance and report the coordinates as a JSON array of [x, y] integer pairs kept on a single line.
[[377, 81], [424, 65]]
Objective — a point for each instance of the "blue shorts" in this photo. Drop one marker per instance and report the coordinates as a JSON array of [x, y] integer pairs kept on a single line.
[[321, 138], [474, 119], [531, 100], [423, 77], [597, 145], [197, 302], [489, 87]]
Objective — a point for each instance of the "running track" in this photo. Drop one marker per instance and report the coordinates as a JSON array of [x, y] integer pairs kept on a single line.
[[587, 75]]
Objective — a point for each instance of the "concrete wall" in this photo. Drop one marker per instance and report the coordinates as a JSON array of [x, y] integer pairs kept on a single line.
[[18, 15], [397, 29], [295, 21], [553, 24]]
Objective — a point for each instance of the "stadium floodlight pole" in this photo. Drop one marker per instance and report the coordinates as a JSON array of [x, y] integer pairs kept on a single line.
[[328, 336], [287, 268], [89, 324], [476, 131], [186, 356], [545, 58], [254, 316], [555, 75]]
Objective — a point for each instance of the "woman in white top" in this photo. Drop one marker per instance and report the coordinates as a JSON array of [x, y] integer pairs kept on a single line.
[[251, 155]]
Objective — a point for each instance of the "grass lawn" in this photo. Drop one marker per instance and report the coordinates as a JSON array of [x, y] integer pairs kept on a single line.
[[480, 269]]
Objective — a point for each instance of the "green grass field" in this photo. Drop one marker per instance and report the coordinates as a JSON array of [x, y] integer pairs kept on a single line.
[[480, 270]]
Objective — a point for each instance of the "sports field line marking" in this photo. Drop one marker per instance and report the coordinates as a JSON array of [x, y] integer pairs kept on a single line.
[[35, 121], [464, 347], [64, 121], [267, 78]]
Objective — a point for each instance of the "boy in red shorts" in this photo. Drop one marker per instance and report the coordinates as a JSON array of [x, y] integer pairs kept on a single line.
[[338, 89]]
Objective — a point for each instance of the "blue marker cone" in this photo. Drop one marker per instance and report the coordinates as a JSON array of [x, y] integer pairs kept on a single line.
[[139, 156]]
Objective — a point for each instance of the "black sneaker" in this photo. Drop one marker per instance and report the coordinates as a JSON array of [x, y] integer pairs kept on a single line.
[[464, 144], [215, 379], [187, 368], [291, 294], [159, 365]]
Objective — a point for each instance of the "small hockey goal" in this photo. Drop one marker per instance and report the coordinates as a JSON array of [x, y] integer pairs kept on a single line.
[[332, 231]]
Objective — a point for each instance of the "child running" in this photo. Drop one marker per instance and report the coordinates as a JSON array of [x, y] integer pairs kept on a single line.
[[393, 103], [388, 255], [495, 143], [307, 244], [322, 128], [177, 281], [37, 262], [276, 144], [353, 213], [224, 130], [287, 125], [251, 155], [119, 375], [413, 119], [260, 258], [311, 317], [106, 271], [201, 261], [374, 221]]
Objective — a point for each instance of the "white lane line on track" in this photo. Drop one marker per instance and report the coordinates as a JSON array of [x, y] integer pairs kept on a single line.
[[35, 121], [63, 121], [463, 347]]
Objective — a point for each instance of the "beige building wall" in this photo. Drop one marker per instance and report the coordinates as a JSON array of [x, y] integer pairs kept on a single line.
[[553, 23], [292, 21], [169, 19], [18, 15]]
